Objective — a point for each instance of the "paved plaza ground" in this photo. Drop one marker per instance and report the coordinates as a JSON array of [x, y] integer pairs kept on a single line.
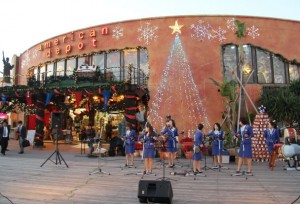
[[23, 181]]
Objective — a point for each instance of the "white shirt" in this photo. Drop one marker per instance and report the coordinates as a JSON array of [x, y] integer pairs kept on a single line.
[[5, 131]]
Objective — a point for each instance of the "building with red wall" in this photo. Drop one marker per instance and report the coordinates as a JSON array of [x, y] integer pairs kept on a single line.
[[178, 56]]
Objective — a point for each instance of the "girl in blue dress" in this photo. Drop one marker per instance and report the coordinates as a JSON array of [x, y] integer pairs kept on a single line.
[[272, 136], [129, 139], [198, 144], [170, 132], [174, 141], [217, 136], [245, 134], [148, 138]]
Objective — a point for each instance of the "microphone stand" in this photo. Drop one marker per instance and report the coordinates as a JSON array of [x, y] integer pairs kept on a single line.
[[58, 156], [99, 147]]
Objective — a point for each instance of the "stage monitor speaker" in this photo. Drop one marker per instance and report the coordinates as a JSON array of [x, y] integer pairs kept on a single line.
[[56, 120], [155, 191]]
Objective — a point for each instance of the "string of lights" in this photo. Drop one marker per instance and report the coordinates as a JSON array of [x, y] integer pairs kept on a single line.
[[177, 89]]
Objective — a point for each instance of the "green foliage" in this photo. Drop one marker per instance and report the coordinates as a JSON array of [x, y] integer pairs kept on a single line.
[[282, 104], [295, 87], [227, 89], [240, 29]]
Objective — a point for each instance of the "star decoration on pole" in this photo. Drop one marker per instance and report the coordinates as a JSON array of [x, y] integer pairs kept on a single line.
[[176, 28]]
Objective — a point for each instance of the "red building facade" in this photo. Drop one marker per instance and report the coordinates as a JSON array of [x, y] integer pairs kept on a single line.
[[178, 57]]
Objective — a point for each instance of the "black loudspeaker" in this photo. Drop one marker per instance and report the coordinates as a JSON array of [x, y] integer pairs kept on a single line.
[[56, 120], [155, 191]]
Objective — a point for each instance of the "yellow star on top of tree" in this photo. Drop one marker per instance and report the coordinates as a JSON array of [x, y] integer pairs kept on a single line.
[[176, 28]]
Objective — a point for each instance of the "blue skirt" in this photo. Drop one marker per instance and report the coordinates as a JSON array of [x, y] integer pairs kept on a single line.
[[148, 153], [247, 153], [197, 156], [171, 146], [129, 148], [216, 150]]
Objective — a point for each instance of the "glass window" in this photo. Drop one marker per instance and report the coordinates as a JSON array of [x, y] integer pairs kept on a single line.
[[144, 64], [279, 71], [98, 61], [247, 67], [60, 68], [71, 64], [264, 72], [50, 68], [113, 65], [130, 57], [36, 74], [83, 61], [42, 73], [230, 61], [293, 72]]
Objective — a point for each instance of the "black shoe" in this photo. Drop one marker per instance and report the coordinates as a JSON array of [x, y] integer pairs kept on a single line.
[[3, 154], [21, 152]]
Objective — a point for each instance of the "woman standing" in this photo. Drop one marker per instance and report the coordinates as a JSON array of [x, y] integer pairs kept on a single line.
[[245, 134], [174, 141], [198, 144], [129, 139], [148, 138], [171, 134], [272, 136], [217, 136]]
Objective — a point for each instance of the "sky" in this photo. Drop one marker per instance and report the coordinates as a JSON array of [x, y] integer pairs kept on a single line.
[[25, 23]]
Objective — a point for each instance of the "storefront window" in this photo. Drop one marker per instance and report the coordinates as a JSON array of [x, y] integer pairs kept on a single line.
[[113, 65], [294, 72], [83, 61], [36, 74], [42, 73], [144, 64], [98, 61], [60, 68], [230, 61], [264, 71], [279, 70], [50, 68], [130, 57], [71, 64]]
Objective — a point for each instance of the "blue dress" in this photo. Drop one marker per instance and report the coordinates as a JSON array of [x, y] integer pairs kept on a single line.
[[129, 141], [171, 141], [245, 150], [272, 137], [148, 147], [198, 140], [217, 139]]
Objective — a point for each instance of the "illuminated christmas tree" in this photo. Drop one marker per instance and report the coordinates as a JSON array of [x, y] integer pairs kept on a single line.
[[178, 90]]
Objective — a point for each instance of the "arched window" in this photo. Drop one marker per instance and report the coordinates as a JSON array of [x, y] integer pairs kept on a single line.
[[258, 66]]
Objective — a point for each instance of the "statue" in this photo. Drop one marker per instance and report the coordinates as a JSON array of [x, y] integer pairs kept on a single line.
[[6, 69]]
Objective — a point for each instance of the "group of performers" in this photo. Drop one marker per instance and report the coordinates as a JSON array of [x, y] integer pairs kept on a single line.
[[169, 136]]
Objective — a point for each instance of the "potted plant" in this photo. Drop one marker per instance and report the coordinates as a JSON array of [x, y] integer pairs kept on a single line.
[[187, 149]]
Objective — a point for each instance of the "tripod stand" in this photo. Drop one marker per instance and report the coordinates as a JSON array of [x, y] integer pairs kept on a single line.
[[205, 166], [58, 156], [99, 147]]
